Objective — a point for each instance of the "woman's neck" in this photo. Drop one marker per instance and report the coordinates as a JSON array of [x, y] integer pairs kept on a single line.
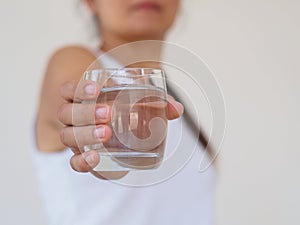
[[134, 52]]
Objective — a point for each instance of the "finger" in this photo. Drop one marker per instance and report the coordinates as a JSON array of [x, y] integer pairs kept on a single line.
[[84, 114], [85, 162], [75, 150], [80, 91], [174, 109], [78, 137], [170, 97]]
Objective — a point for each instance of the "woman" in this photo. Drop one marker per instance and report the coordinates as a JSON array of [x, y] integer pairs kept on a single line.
[[74, 198]]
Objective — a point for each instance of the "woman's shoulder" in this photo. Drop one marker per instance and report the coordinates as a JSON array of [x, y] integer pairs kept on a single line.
[[77, 50], [65, 64], [69, 62], [72, 54]]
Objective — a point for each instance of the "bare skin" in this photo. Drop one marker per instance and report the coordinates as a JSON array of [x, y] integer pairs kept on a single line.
[[55, 124]]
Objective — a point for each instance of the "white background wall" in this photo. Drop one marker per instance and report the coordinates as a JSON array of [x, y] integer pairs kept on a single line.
[[253, 48]]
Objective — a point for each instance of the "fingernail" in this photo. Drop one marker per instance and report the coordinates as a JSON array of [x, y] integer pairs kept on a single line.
[[89, 158], [101, 113], [90, 89], [99, 132]]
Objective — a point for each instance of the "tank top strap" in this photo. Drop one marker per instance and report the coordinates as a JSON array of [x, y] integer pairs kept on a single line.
[[107, 61]]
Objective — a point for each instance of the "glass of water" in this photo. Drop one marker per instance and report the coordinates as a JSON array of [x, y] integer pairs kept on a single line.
[[139, 118]]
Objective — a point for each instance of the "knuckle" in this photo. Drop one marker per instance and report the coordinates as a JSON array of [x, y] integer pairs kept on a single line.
[[63, 88], [67, 90], [170, 97], [61, 112], [75, 150], [62, 136]]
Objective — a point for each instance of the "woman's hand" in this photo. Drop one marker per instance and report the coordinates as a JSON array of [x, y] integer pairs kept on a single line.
[[86, 124]]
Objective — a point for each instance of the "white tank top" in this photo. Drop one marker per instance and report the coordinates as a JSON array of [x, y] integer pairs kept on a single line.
[[72, 198]]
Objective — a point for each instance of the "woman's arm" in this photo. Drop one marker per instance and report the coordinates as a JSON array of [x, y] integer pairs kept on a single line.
[[67, 64], [55, 119], [55, 123]]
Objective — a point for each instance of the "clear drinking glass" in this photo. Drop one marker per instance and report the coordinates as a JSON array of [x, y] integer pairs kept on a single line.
[[139, 120]]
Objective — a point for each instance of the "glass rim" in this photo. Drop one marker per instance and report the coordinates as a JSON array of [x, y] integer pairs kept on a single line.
[[154, 71]]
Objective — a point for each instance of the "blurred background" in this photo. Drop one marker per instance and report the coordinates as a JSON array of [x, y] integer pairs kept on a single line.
[[253, 48]]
